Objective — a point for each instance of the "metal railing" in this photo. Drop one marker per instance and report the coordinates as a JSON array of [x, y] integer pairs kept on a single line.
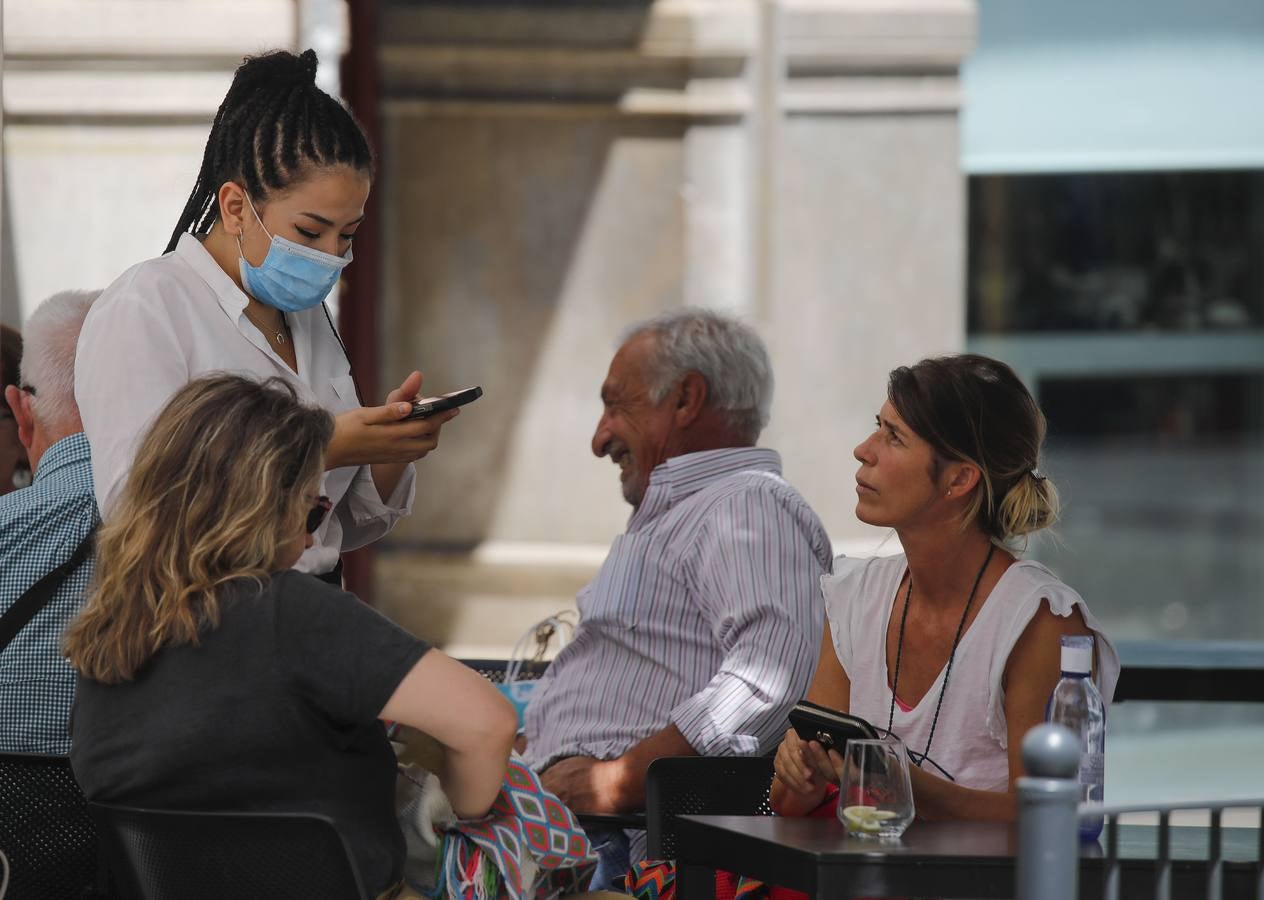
[[1163, 861], [1049, 813]]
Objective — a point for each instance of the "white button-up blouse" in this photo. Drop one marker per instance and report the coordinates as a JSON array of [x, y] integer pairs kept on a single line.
[[168, 320]]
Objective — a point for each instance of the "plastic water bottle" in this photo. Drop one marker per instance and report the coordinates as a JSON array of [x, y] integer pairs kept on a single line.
[[1077, 704]]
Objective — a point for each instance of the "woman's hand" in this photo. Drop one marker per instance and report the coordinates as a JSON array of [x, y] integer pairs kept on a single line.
[[801, 771], [384, 434], [803, 766]]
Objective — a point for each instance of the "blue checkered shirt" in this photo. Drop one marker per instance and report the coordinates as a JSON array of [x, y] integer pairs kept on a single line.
[[40, 528]]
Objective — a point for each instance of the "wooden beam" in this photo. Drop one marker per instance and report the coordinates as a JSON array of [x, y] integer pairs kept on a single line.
[[358, 311]]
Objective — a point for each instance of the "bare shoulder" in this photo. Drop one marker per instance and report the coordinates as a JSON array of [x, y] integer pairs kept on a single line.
[[1039, 641]]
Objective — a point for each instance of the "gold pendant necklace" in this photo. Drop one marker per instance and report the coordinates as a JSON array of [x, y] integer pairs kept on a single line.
[[278, 336]]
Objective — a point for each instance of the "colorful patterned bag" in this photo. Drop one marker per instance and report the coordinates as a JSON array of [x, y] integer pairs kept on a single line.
[[655, 879], [529, 847]]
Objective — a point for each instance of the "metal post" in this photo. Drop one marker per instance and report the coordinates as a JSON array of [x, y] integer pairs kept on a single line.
[[1048, 827]]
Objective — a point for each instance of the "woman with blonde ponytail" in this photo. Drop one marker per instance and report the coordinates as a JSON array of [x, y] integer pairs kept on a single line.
[[214, 676], [952, 645]]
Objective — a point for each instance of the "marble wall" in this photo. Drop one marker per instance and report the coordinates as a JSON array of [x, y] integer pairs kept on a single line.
[[107, 104]]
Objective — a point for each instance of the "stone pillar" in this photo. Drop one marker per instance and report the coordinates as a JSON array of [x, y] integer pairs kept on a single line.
[[868, 230], [552, 174]]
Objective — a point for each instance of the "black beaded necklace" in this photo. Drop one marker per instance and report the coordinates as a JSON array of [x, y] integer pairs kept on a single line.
[[899, 651]]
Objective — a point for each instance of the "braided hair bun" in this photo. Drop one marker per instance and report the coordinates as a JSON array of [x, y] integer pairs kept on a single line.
[[273, 126]]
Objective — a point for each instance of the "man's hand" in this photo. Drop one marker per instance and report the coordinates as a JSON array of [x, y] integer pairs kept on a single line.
[[587, 785]]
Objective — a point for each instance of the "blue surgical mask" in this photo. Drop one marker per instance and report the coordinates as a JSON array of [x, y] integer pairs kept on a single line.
[[292, 277]]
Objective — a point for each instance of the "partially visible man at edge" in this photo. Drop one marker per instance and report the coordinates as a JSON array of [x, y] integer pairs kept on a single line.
[[702, 627], [15, 471], [43, 528]]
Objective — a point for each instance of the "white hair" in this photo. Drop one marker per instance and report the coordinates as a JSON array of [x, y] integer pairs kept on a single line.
[[724, 351], [49, 337]]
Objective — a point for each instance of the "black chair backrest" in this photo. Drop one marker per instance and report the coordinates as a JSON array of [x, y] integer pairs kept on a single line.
[[45, 829], [702, 786], [170, 855], [494, 669]]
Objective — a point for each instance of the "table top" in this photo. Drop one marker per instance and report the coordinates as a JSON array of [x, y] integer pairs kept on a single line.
[[826, 840], [946, 859]]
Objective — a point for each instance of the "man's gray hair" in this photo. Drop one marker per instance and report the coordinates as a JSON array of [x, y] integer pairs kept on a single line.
[[49, 338], [723, 350]]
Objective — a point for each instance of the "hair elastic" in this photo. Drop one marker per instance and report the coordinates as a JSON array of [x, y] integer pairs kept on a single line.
[[1038, 475]]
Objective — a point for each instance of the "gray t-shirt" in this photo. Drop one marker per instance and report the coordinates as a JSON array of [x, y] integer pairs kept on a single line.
[[276, 709]]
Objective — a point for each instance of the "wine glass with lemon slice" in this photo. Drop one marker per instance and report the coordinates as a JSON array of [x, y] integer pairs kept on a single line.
[[876, 795]]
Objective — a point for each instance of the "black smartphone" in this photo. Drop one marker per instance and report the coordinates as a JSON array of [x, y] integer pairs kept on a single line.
[[431, 405], [828, 727]]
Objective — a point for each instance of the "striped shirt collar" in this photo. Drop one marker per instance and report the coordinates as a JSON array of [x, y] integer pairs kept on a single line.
[[682, 476], [71, 450]]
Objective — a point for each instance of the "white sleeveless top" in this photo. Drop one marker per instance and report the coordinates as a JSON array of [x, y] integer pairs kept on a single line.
[[971, 737]]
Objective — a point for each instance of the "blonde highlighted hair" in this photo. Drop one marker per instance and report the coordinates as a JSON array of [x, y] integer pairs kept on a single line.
[[216, 491], [974, 409]]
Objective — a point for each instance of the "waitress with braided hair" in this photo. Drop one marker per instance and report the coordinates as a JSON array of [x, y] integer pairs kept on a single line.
[[262, 240]]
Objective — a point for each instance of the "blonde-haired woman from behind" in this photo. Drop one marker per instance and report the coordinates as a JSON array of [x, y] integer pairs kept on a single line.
[[954, 644], [212, 676]]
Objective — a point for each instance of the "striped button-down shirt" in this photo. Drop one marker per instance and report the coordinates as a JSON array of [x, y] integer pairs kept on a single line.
[[41, 526], [706, 615]]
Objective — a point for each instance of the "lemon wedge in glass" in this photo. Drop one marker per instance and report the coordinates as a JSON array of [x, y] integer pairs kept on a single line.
[[866, 819]]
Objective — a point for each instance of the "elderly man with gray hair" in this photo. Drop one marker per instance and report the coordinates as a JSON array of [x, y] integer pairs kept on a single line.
[[703, 626], [45, 533]]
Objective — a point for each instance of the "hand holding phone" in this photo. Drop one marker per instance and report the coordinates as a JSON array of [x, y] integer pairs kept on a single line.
[[431, 405], [828, 727], [411, 432]]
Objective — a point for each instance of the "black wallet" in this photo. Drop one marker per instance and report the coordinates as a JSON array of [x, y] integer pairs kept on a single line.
[[828, 727]]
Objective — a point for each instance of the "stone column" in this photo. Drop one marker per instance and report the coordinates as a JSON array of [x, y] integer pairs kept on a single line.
[[868, 230], [551, 175]]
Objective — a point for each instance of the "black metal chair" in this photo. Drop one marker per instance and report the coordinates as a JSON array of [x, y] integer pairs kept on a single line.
[[702, 786], [494, 669], [45, 829], [175, 855]]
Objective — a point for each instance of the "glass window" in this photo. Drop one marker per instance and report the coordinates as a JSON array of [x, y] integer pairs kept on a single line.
[[1132, 304]]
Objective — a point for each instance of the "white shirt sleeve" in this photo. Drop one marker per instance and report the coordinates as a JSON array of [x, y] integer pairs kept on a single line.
[[178, 317], [1041, 586], [363, 514], [838, 590], [128, 364]]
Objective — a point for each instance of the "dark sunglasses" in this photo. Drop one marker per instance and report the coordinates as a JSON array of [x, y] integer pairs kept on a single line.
[[317, 514]]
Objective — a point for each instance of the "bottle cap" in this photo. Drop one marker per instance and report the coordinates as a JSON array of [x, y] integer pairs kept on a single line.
[[1077, 654]]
